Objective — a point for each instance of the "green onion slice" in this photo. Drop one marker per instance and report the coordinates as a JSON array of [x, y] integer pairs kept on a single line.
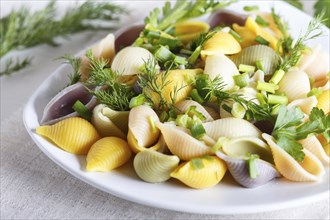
[[82, 110]]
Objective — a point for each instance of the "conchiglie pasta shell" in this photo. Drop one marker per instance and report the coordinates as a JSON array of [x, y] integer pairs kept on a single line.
[[184, 105], [107, 154], [315, 147], [231, 128], [190, 30], [153, 166], [323, 101], [310, 169], [211, 174], [324, 143], [295, 84], [175, 80], [104, 49], [238, 169], [129, 60], [220, 43], [221, 66], [315, 63], [141, 133], [181, 143], [305, 104], [75, 135], [104, 125]]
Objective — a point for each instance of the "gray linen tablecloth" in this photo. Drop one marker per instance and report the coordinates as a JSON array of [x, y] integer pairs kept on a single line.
[[34, 187]]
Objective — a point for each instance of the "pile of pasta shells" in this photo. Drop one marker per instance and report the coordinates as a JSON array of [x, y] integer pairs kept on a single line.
[[164, 150]]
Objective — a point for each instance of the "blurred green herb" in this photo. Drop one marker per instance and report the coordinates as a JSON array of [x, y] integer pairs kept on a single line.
[[323, 6], [296, 3], [23, 29]]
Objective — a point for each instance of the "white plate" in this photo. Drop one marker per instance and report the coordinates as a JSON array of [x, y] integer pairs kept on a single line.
[[225, 198]]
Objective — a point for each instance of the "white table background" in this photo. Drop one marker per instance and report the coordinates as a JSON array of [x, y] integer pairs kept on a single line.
[[24, 196]]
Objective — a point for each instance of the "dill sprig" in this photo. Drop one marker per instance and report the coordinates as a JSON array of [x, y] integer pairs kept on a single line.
[[294, 51], [254, 111], [153, 83], [75, 62], [12, 65], [110, 91], [23, 29]]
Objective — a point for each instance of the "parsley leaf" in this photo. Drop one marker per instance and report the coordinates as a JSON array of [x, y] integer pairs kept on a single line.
[[290, 128]]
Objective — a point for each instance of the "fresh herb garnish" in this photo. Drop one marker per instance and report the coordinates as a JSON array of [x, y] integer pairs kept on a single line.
[[115, 94], [23, 29], [290, 128], [75, 62]]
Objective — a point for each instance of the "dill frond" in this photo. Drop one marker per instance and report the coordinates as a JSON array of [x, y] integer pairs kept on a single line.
[[75, 62], [24, 29], [110, 91], [13, 66]]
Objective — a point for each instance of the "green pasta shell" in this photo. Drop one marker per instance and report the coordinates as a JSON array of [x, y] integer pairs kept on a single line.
[[153, 166]]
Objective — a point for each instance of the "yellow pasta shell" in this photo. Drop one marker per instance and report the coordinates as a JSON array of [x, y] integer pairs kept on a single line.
[[251, 30], [190, 30], [315, 147], [175, 80], [310, 169], [324, 143], [75, 135], [209, 175], [107, 154], [220, 43], [323, 101]]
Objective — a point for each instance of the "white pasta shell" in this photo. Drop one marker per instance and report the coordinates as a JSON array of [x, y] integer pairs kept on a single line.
[[141, 133], [305, 104], [185, 104], [315, 63], [220, 65], [181, 143], [231, 128], [311, 169], [104, 125], [240, 146], [315, 147], [104, 49], [295, 84], [129, 60], [153, 166]]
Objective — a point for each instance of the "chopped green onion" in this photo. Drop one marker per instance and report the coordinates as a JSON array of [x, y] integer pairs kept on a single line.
[[153, 34], [163, 54], [183, 120], [172, 43], [252, 165], [197, 130], [261, 21], [251, 8], [268, 87], [193, 57], [180, 60], [152, 124], [315, 92], [246, 68], [191, 111], [82, 110], [275, 109], [164, 116], [197, 163], [277, 99], [261, 98], [196, 97], [136, 101], [259, 65], [277, 77], [238, 111], [185, 51], [261, 40], [236, 35], [241, 80]]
